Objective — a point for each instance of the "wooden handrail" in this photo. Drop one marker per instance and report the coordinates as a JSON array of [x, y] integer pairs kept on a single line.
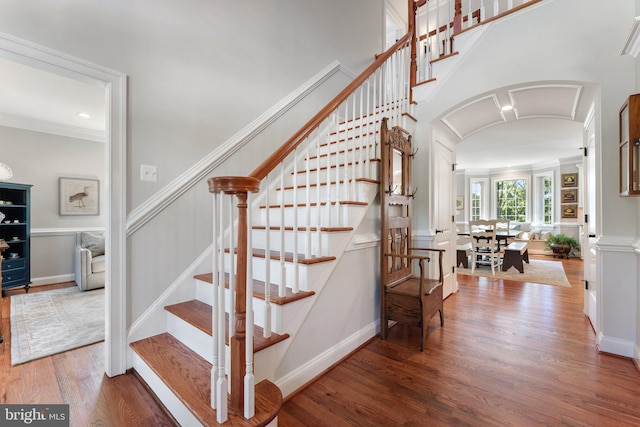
[[287, 148]]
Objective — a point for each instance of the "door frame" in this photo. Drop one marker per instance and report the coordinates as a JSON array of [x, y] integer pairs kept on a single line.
[[114, 83]]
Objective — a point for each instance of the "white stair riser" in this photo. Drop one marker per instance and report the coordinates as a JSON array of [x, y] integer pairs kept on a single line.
[[359, 168], [306, 218], [340, 192], [326, 240]]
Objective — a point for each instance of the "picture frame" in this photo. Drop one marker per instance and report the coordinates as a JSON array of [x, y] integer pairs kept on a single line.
[[569, 196], [569, 211], [459, 203], [79, 196], [570, 179]]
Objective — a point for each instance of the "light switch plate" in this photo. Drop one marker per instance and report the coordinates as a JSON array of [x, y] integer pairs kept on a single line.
[[148, 173]]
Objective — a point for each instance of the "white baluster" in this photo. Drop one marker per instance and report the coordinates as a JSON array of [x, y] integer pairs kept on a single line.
[[337, 183], [447, 29], [469, 14], [232, 271], [509, 4], [345, 149], [249, 379], [267, 265], [362, 131], [307, 234], [214, 306], [496, 7], [282, 289], [221, 382], [319, 210], [366, 140], [296, 227], [483, 16], [438, 27], [334, 119]]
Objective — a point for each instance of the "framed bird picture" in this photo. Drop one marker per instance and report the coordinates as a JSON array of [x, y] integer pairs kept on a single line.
[[79, 196]]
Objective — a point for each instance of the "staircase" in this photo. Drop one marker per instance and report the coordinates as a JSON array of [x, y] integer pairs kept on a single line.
[[274, 253]]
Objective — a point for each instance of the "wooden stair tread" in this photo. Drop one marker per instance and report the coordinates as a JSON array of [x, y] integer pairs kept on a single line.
[[288, 257], [198, 314], [188, 376], [258, 290]]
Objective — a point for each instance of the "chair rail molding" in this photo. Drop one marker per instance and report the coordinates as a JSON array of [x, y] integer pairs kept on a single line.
[[631, 45], [202, 169]]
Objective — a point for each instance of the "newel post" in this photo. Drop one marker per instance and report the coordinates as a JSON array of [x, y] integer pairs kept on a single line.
[[240, 187]]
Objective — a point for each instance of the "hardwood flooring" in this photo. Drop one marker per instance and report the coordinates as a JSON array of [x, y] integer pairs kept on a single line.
[[76, 377], [509, 354]]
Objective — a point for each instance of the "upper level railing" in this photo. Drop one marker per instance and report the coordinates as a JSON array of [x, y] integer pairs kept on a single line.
[[439, 21]]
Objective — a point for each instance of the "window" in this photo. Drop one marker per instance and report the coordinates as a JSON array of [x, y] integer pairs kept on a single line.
[[547, 200], [511, 199], [479, 203], [543, 198]]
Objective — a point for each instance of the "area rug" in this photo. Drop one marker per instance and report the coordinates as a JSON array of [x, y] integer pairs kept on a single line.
[[538, 271], [50, 322]]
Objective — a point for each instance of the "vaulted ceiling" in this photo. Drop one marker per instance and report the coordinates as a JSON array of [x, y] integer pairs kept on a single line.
[[545, 124]]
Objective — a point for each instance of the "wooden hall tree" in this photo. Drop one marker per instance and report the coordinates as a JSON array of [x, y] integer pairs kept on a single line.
[[405, 297]]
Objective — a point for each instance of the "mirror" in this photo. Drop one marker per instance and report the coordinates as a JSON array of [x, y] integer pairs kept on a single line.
[[397, 181]]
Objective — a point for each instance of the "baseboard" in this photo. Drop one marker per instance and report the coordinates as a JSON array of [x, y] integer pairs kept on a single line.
[[48, 280], [616, 346], [306, 373]]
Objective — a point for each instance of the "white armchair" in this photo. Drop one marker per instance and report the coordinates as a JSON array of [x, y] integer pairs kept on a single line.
[[89, 260]]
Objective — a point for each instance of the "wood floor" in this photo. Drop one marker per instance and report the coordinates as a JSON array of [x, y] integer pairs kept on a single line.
[[509, 354]]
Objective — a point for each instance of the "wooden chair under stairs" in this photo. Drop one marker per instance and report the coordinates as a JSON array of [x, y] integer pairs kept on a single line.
[[405, 297]]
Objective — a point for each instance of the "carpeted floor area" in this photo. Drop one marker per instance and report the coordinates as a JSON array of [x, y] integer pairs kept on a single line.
[[45, 323], [538, 271]]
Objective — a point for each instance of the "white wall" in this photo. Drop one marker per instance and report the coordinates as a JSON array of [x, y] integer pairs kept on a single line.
[[40, 159]]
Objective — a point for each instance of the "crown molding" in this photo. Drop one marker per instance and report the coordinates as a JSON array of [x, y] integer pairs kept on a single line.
[[36, 125]]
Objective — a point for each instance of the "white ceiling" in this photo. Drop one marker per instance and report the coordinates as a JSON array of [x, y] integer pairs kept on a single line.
[[545, 125], [43, 101]]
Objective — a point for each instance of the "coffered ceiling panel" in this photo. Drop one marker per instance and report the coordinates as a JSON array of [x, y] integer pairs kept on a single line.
[[475, 116], [552, 101]]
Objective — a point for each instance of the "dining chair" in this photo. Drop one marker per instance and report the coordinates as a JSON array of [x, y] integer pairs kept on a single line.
[[485, 247]]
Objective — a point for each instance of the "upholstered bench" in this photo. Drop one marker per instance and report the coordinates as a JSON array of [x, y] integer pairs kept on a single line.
[[514, 254]]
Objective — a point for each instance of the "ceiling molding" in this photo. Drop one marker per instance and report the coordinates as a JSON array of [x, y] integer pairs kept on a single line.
[[631, 44], [36, 125]]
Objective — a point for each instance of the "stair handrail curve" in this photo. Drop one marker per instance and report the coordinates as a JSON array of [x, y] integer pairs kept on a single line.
[[383, 88]]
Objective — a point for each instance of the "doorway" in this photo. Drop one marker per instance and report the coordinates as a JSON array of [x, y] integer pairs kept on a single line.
[[114, 84]]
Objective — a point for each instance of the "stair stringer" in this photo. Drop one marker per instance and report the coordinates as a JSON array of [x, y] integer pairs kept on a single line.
[[443, 69], [344, 316], [295, 314]]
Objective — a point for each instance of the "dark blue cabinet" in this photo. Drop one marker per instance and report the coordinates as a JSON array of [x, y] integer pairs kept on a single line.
[[15, 229]]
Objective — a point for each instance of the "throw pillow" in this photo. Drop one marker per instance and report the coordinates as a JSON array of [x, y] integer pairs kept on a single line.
[[525, 226], [93, 242]]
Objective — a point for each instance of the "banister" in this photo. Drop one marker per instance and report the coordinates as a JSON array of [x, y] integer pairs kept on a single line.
[[279, 155]]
